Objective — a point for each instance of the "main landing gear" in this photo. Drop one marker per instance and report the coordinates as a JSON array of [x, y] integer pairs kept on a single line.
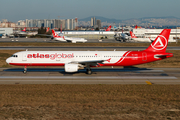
[[88, 71], [25, 70]]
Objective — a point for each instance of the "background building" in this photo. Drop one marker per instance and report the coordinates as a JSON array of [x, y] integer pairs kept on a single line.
[[93, 22], [99, 23]]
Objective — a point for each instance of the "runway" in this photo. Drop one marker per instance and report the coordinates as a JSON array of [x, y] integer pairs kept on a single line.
[[99, 76]]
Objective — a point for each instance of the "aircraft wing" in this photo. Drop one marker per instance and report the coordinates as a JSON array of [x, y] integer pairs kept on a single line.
[[89, 62]]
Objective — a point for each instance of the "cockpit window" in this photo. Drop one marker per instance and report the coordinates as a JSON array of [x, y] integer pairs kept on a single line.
[[14, 56]]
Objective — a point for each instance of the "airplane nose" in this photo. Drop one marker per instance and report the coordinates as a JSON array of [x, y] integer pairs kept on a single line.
[[8, 60]]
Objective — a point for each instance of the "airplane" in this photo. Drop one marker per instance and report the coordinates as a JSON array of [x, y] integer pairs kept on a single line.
[[121, 36], [63, 38], [75, 60], [21, 33], [133, 37]]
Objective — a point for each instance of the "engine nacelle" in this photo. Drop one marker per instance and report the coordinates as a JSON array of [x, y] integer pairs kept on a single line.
[[73, 41], [71, 67]]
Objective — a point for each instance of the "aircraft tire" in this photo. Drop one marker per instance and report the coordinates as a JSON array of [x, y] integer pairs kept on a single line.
[[89, 72], [24, 71]]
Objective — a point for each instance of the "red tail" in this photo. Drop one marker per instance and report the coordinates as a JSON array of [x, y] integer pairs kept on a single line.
[[161, 42], [132, 35], [47, 29], [54, 33], [136, 27], [24, 30], [109, 28]]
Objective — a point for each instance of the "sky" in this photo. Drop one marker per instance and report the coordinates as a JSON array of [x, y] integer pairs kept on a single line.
[[15, 10]]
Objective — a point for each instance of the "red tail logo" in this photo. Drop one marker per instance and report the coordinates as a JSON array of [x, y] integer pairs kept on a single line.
[[161, 42]]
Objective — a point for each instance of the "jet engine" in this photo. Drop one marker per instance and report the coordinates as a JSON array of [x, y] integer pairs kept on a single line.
[[73, 41], [71, 67]]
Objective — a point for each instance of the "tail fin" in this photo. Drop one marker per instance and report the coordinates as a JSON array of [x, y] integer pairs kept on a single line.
[[161, 42], [109, 28], [24, 30], [136, 27], [47, 29], [54, 33], [132, 35]]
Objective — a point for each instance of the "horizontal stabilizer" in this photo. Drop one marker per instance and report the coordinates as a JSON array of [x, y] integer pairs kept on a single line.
[[163, 56]]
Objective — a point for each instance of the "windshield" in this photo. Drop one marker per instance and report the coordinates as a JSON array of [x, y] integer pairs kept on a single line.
[[14, 56]]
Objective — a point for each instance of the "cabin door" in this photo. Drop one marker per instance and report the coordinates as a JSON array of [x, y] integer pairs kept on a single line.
[[24, 57], [144, 56]]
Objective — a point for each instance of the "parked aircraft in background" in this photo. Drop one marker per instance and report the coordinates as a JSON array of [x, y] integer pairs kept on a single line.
[[63, 38], [21, 33], [74, 60], [133, 37], [136, 27], [121, 36]]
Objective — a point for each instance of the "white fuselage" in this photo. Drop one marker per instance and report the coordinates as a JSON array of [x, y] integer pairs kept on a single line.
[[45, 58], [74, 40], [70, 39]]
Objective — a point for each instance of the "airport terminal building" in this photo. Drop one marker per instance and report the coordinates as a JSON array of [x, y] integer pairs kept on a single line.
[[153, 33], [6, 31]]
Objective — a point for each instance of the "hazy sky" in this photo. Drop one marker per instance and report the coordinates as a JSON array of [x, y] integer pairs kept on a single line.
[[15, 10]]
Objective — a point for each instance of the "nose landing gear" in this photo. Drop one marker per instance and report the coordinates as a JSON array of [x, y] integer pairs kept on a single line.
[[25, 70]]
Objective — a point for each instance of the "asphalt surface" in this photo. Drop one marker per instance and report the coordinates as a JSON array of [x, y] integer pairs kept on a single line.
[[99, 76], [49, 40]]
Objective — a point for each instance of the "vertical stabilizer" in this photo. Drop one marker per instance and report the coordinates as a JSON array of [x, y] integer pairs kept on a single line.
[[132, 35], [109, 28], [161, 42], [54, 33]]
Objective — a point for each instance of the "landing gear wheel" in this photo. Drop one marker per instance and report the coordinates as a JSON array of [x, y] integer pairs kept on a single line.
[[88, 71], [24, 71]]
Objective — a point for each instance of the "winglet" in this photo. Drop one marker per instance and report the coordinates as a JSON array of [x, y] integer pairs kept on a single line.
[[161, 42]]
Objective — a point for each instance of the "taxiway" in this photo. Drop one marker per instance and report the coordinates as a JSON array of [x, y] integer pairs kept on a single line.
[[99, 76]]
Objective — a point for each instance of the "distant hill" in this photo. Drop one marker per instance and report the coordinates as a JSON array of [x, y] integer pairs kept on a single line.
[[153, 21]]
